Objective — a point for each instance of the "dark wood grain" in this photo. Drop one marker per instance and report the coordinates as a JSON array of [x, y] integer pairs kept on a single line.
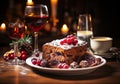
[[107, 74]]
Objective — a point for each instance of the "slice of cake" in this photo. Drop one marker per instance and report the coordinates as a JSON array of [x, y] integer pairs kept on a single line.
[[64, 50]]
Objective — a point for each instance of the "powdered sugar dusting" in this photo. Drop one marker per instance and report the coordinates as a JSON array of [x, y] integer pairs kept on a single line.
[[56, 43]]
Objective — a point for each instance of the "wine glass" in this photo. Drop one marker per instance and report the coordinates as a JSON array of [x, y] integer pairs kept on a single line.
[[16, 31], [84, 30], [35, 18]]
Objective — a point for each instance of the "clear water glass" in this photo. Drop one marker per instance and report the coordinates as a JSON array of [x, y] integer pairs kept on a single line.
[[84, 28]]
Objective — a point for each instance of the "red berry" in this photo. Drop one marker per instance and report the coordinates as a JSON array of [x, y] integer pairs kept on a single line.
[[75, 41], [37, 54], [61, 42], [34, 61], [11, 56], [23, 56], [62, 65], [69, 42], [59, 65], [38, 62], [70, 39], [65, 66], [23, 52], [6, 58]]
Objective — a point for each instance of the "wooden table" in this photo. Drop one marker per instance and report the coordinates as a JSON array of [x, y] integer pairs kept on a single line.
[[107, 74]]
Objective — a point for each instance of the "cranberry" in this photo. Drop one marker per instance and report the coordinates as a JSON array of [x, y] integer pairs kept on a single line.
[[61, 42], [69, 42], [70, 39], [23, 56], [75, 41], [11, 56], [39, 62], [62, 65], [37, 54], [59, 65], [65, 40], [34, 61], [65, 66], [6, 58], [23, 52]]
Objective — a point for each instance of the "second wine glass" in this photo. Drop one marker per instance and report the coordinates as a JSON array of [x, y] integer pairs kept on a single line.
[[85, 31], [35, 18], [16, 31]]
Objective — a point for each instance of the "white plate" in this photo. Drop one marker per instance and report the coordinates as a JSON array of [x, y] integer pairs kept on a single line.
[[57, 71]]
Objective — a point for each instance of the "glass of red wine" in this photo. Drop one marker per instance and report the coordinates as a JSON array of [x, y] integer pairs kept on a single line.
[[35, 18], [16, 31]]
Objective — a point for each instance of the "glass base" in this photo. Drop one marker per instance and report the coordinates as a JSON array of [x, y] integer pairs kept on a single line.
[[16, 62]]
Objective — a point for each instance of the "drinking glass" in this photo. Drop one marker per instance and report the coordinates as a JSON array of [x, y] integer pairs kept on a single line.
[[84, 29], [35, 18], [16, 30]]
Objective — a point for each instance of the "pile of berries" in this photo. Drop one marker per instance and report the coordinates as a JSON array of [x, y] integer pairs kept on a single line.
[[39, 62], [70, 40], [44, 63], [63, 66], [9, 55], [87, 60]]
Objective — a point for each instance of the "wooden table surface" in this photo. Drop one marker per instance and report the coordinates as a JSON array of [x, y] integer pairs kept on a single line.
[[107, 74]]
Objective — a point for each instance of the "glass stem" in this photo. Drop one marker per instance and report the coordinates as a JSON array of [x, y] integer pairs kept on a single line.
[[16, 52], [36, 41]]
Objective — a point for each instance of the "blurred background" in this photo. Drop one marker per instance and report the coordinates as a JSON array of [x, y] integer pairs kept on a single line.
[[105, 15]]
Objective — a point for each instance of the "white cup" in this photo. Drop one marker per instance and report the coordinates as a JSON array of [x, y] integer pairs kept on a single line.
[[100, 45]]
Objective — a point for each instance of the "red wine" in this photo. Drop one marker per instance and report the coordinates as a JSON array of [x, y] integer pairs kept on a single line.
[[35, 23]]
